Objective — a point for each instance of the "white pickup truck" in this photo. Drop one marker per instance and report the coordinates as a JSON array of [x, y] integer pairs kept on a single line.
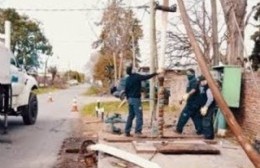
[[17, 97]]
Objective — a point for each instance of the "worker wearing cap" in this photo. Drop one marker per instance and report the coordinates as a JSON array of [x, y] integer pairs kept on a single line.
[[208, 109], [133, 95], [191, 109]]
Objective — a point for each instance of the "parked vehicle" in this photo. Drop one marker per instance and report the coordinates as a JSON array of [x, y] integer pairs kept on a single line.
[[17, 96], [72, 82], [119, 90]]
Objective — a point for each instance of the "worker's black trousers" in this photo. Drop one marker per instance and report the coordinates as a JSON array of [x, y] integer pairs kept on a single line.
[[188, 112], [207, 124]]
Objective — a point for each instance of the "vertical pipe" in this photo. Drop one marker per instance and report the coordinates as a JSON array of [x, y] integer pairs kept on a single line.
[[8, 34]]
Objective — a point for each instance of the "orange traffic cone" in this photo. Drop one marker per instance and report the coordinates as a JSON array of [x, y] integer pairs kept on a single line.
[[74, 105], [50, 99]]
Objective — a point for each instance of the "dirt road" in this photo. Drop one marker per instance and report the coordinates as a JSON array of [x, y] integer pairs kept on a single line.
[[37, 146]]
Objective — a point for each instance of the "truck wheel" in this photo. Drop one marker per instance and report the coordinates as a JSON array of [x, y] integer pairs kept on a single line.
[[31, 110]]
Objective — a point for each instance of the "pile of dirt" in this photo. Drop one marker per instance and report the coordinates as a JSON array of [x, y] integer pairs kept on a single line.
[[70, 155], [69, 160]]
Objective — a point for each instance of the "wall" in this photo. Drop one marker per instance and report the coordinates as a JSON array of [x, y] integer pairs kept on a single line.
[[176, 82], [248, 115]]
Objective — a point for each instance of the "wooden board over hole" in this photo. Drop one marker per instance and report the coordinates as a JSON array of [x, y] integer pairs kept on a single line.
[[121, 138], [144, 146], [186, 148], [149, 146]]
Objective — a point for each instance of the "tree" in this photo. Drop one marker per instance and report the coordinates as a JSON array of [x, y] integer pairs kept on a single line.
[[27, 39], [234, 13], [255, 57], [104, 69], [53, 70], [120, 35], [179, 50], [80, 77]]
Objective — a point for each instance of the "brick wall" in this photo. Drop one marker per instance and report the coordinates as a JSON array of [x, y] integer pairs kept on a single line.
[[176, 82], [248, 115]]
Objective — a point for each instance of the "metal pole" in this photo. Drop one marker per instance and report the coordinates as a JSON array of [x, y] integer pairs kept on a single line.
[[153, 53]]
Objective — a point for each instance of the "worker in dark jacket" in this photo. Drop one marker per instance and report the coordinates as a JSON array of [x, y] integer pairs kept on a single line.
[[192, 107], [208, 109], [133, 95]]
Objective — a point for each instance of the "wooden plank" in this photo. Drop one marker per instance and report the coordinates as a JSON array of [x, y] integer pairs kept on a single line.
[[186, 148], [119, 138], [133, 158], [123, 139], [148, 146], [144, 146]]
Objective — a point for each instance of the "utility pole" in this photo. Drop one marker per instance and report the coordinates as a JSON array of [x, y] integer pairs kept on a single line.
[[164, 8], [153, 55], [153, 58], [214, 32], [160, 96]]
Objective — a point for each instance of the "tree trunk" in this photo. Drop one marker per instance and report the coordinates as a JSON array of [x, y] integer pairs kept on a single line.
[[133, 50], [120, 68], [153, 57], [235, 45], [214, 32], [115, 66]]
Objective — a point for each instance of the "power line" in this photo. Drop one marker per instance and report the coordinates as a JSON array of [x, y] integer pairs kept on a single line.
[[74, 9]]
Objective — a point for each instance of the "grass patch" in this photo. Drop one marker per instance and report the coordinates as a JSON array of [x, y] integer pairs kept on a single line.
[[112, 107], [45, 90], [174, 108]]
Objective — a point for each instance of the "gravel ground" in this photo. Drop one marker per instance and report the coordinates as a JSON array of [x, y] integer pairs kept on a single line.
[[232, 155]]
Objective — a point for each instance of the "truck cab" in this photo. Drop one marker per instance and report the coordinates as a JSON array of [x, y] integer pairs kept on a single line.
[[17, 95]]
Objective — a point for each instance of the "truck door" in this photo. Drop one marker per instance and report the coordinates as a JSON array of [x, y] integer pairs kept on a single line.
[[17, 77]]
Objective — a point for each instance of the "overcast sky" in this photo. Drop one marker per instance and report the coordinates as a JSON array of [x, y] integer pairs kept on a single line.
[[72, 32]]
